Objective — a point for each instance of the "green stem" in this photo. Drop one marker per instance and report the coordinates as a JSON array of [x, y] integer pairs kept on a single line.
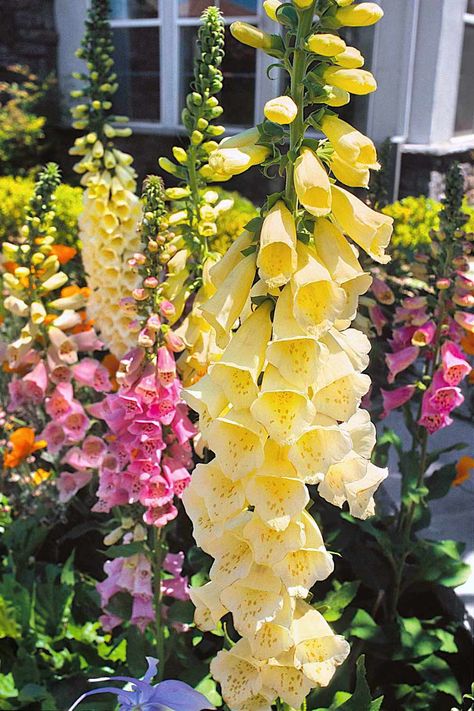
[[156, 551], [298, 71], [420, 440]]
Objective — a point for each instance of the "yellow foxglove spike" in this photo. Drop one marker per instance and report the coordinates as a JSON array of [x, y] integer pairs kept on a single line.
[[355, 175], [255, 598], [208, 400], [336, 96], [371, 230], [221, 269], [362, 433], [223, 497], [209, 609], [224, 308], [277, 258], [318, 448], [270, 546], [312, 183], [341, 398], [273, 638], [239, 673], [241, 363]]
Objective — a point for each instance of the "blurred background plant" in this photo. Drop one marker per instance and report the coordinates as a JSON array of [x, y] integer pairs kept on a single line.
[[22, 127]]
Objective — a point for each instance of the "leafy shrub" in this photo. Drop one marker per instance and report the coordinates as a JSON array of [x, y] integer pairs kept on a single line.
[[15, 193], [21, 128], [231, 223]]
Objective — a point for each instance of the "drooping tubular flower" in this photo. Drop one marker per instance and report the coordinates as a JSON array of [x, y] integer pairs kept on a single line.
[[108, 223], [280, 409]]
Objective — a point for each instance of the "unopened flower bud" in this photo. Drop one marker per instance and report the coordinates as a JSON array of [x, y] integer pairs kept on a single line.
[[139, 294], [154, 323], [174, 342], [443, 284], [167, 309], [150, 282]]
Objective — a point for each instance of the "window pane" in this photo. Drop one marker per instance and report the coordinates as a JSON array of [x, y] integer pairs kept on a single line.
[[234, 8], [123, 9], [137, 63], [465, 112], [193, 8], [470, 7], [238, 68]]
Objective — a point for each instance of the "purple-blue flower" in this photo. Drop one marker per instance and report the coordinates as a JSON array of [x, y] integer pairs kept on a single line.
[[166, 696]]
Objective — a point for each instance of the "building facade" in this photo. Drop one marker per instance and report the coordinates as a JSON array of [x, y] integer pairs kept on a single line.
[[422, 55]]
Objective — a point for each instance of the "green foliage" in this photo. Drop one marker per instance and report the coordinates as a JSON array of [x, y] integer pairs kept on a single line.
[[231, 223], [21, 128], [15, 194]]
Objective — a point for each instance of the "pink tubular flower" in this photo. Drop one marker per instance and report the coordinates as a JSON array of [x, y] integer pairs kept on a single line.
[[455, 366], [378, 318], [465, 320], [93, 374], [69, 483], [430, 418], [167, 309], [55, 436], [424, 335], [382, 291], [165, 366], [393, 399], [444, 397], [60, 402], [400, 361]]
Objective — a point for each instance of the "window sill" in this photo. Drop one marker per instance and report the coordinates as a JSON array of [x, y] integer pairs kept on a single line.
[[457, 144]]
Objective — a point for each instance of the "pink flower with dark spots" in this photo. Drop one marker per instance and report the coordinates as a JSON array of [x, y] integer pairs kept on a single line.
[[69, 483], [444, 397], [455, 366], [393, 399], [55, 436], [400, 361], [424, 335]]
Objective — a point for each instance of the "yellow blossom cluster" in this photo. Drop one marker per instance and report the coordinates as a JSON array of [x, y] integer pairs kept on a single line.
[[281, 407], [109, 236], [109, 220]]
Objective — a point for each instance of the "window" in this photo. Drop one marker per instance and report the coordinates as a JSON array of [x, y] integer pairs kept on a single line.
[[465, 108], [155, 44]]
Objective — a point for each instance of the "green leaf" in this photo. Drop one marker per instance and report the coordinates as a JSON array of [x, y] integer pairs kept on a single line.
[[361, 699], [363, 626], [440, 562], [120, 605], [9, 627], [416, 641], [249, 250], [136, 652], [125, 551], [181, 611], [437, 671], [254, 224], [207, 686], [34, 693], [337, 600], [436, 453], [389, 438], [440, 482], [8, 689]]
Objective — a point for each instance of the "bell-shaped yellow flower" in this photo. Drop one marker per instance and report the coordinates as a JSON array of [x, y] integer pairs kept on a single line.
[[281, 409], [237, 154], [355, 175], [238, 441], [239, 675], [224, 308], [209, 609], [312, 183], [318, 448], [281, 110], [355, 81], [360, 15], [233, 558], [277, 493], [318, 651], [208, 400], [326, 45], [255, 599], [271, 7], [223, 497], [371, 230], [351, 145], [318, 300], [295, 354], [241, 363], [301, 569], [207, 531], [362, 433], [353, 480], [277, 256], [350, 58], [274, 638], [221, 269], [355, 345], [270, 546], [341, 398], [289, 683], [336, 96], [339, 258]]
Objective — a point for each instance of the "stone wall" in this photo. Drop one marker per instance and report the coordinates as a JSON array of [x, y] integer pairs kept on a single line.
[[28, 34]]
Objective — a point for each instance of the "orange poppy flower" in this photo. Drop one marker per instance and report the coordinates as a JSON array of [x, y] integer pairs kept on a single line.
[[74, 289], [463, 470], [23, 444], [467, 343], [63, 253], [10, 267]]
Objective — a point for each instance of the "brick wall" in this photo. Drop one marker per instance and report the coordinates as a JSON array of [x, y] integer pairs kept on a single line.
[[28, 35]]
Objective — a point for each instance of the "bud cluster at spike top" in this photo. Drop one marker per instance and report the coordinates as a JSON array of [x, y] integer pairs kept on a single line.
[[108, 223], [281, 409]]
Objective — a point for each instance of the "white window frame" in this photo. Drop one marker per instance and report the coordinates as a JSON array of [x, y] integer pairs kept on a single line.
[[170, 25]]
